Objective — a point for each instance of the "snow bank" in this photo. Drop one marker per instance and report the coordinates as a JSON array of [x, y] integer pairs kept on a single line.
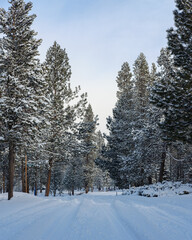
[[160, 189]]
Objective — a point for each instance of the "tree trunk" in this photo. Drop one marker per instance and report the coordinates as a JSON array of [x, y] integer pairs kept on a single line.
[[149, 180], [72, 191], [26, 183], [3, 180], [162, 167], [7, 183], [35, 187], [49, 178], [41, 185], [22, 176], [142, 174], [54, 192], [11, 169], [87, 181], [86, 189]]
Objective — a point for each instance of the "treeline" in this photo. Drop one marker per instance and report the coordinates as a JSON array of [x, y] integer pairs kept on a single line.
[[150, 132], [48, 136], [139, 150]]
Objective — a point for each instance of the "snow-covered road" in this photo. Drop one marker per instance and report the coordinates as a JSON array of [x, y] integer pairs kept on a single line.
[[96, 216]]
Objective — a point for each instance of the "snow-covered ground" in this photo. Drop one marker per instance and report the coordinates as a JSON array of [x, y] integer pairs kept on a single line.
[[96, 216], [161, 189]]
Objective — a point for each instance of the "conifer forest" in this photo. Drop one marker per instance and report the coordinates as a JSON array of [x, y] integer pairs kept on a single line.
[[49, 138]]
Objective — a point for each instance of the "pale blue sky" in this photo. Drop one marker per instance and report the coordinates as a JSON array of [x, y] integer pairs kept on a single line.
[[99, 35]]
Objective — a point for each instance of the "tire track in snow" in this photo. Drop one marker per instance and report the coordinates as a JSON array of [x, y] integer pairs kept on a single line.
[[135, 221], [19, 220], [128, 221], [55, 222], [95, 218], [61, 221], [40, 219], [157, 220], [168, 223], [23, 212], [98, 221]]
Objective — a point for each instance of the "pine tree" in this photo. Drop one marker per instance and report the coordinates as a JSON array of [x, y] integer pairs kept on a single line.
[[142, 80], [120, 138], [18, 103], [64, 110], [162, 96], [180, 45], [87, 136], [157, 150], [176, 98], [100, 173], [153, 75], [57, 73], [73, 177]]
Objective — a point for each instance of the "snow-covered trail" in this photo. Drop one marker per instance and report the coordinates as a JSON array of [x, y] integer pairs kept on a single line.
[[97, 216]]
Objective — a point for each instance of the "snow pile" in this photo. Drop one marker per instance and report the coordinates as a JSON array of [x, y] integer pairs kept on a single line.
[[161, 189]]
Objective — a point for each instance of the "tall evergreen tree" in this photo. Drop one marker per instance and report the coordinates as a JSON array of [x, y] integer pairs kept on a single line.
[[142, 80], [18, 61], [57, 72], [120, 138], [176, 97], [180, 45], [157, 150], [64, 110], [163, 97]]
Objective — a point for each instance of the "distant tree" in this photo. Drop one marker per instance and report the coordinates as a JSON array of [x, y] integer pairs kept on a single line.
[[100, 173], [87, 136], [142, 80], [73, 177], [153, 75]]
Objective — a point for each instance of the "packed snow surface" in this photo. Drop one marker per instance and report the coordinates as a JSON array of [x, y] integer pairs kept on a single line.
[[96, 216]]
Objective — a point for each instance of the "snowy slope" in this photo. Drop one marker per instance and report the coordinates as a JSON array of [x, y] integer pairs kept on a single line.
[[96, 216]]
